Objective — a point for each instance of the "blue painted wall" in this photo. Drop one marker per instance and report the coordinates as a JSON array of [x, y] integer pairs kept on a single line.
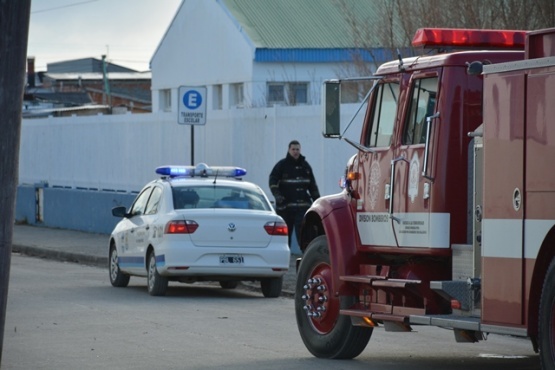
[[25, 205], [68, 208]]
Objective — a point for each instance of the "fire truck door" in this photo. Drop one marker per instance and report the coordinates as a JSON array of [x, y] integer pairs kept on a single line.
[[371, 207], [415, 224], [503, 210]]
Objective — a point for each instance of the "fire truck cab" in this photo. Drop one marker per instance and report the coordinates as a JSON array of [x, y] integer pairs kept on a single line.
[[448, 209]]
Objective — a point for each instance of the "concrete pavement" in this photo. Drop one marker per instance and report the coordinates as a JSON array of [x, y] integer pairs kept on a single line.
[[91, 249]]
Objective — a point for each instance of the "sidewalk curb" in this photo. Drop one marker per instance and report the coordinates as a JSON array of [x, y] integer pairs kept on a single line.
[[60, 255]]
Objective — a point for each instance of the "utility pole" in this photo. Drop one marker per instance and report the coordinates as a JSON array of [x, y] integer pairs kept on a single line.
[[14, 32], [106, 94]]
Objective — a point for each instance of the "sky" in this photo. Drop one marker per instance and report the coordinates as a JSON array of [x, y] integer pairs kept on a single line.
[[126, 31]]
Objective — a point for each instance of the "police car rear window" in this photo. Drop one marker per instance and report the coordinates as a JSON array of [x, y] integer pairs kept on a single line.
[[217, 197]]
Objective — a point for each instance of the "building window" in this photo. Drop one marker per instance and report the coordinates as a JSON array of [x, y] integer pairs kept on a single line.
[[166, 100], [236, 95], [217, 97], [297, 93], [355, 91], [276, 94], [287, 93]]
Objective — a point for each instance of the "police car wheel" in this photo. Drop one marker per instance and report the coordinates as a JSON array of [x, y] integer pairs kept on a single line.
[[325, 333], [117, 278], [271, 288], [546, 338], [157, 285], [229, 284]]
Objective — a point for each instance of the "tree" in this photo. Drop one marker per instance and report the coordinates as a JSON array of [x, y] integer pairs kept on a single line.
[[14, 31], [478, 14], [396, 21]]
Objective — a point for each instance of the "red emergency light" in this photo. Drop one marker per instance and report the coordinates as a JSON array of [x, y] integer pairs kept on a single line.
[[465, 38]]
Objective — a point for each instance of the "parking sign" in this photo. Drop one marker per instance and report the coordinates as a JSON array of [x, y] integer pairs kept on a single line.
[[192, 105]]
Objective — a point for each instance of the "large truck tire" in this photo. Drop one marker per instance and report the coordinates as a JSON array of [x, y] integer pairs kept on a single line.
[[546, 338], [325, 333]]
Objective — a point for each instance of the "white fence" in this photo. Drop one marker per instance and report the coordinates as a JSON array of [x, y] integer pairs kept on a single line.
[[120, 152]]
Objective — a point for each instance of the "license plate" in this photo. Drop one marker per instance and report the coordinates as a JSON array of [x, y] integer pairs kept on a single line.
[[235, 259]]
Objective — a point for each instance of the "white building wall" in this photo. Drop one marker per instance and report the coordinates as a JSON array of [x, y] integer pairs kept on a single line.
[[201, 47], [120, 152], [205, 46]]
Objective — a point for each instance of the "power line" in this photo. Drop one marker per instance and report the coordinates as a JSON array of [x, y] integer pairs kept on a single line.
[[63, 6]]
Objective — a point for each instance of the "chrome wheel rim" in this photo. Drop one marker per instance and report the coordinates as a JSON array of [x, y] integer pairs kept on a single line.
[[322, 308]]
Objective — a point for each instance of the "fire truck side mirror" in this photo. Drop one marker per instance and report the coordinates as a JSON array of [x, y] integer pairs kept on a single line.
[[331, 101]]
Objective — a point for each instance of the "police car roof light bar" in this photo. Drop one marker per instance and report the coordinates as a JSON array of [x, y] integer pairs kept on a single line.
[[201, 170], [457, 37]]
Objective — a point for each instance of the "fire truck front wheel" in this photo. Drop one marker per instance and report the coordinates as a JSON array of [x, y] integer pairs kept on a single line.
[[325, 333], [546, 339]]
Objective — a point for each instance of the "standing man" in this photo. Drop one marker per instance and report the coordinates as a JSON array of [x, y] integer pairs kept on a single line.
[[293, 185]]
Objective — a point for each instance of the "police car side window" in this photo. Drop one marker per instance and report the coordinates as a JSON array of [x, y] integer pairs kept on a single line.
[[153, 201], [139, 205]]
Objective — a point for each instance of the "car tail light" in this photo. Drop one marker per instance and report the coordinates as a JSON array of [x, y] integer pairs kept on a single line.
[[181, 227], [276, 228]]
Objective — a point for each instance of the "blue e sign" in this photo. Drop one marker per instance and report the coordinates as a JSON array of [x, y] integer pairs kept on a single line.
[[192, 105], [192, 99]]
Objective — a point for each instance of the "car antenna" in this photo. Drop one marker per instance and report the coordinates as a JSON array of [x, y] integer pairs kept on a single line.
[[215, 177]]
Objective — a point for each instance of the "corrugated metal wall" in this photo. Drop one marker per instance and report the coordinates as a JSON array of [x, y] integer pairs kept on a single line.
[[120, 152]]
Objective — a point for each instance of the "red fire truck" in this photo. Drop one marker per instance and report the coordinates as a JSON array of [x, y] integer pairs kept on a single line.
[[447, 216]]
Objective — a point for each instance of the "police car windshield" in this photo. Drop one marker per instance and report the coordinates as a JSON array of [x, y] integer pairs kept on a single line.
[[185, 197]]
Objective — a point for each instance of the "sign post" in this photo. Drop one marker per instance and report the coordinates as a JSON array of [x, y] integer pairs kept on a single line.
[[192, 110]]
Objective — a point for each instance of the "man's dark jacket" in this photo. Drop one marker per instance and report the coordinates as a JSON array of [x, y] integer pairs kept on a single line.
[[292, 183]]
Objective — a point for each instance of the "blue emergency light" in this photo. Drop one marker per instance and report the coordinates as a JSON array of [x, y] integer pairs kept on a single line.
[[201, 170], [174, 171]]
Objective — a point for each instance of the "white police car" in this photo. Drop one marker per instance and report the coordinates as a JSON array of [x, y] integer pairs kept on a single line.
[[200, 224]]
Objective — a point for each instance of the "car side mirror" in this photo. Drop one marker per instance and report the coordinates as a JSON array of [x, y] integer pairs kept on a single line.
[[331, 102], [120, 211]]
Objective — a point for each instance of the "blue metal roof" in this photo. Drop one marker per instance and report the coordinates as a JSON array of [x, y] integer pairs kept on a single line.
[[330, 55]]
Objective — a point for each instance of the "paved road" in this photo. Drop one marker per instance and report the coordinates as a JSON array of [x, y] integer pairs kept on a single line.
[[92, 249], [68, 316]]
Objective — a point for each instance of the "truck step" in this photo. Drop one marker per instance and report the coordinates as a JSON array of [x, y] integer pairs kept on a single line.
[[397, 321], [379, 281], [466, 323], [386, 312], [447, 321]]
